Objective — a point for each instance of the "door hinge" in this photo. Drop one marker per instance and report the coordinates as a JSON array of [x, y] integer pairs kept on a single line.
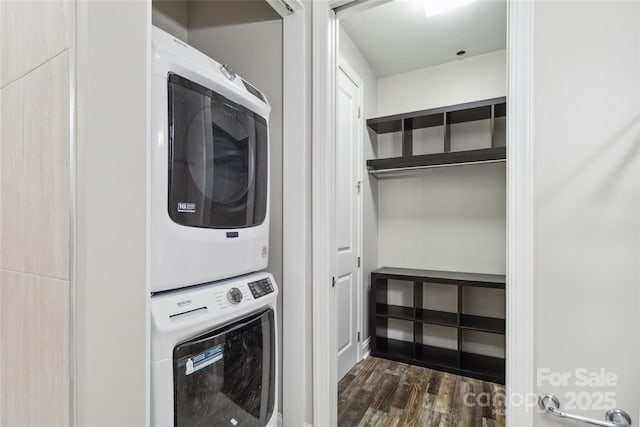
[[358, 336], [358, 262], [333, 282], [359, 112], [359, 186]]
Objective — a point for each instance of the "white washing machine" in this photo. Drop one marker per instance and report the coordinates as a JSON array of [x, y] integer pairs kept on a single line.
[[214, 354], [209, 169]]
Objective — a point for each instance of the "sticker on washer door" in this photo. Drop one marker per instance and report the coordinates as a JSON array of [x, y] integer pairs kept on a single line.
[[204, 359], [186, 207]]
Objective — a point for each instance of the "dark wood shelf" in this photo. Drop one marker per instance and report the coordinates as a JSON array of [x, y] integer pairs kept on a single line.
[[482, 324], [406, 123], [496, 281], [402, 349], [436, 356], [443, 318], [459, 113], [473, 365], [490, 368], [455, 361], [439, 159], [394, 311]]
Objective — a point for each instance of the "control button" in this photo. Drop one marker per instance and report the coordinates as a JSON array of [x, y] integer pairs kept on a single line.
[[234, 295]]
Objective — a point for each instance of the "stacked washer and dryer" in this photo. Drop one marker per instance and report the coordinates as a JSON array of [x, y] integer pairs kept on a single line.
[[213, 320]]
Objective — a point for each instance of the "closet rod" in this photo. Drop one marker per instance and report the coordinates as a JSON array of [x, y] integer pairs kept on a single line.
[[412, 168]]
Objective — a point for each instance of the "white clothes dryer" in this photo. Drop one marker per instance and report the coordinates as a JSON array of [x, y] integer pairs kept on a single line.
[[214, 354], [209, 169]]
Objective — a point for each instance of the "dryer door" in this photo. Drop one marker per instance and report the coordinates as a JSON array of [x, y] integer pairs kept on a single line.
[[218, 159], [226, 377]]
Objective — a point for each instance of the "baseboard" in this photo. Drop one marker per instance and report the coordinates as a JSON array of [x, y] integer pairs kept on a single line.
[[280, 421], [366, 350]]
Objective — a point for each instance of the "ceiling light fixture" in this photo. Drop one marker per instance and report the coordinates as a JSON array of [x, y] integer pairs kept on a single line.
[[436, 7]]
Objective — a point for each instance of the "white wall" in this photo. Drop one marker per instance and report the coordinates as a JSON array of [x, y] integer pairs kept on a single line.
[[172, 16], [112, 383], [587, 198], [352, 56], [465, 80], [444, 219]]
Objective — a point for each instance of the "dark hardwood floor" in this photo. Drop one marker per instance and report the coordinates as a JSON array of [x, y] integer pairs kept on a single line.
[[382, 393]]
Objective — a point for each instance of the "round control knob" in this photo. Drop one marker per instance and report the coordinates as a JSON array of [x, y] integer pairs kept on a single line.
[[234, 295]]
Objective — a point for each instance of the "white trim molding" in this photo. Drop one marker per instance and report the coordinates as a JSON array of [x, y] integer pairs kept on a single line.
[[295, 214], [325, 387], [366, 348], [520, 304]]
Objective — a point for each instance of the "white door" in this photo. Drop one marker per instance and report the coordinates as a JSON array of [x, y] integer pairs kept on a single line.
[[347, 281], [587, 207]]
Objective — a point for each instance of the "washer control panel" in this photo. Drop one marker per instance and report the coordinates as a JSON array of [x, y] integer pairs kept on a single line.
[[260, 288]]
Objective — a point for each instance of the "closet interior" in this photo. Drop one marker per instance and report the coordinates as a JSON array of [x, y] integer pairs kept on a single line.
[[433, 165]]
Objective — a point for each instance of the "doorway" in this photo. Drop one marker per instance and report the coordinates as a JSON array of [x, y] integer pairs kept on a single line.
[[423, 219]]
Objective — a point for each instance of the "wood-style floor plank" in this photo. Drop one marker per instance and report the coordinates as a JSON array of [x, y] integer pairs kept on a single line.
[[383, 393]]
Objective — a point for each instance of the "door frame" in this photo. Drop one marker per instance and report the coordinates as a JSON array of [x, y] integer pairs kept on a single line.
[[519, 297], [323, 136], [295, 212], [520, 372], [352, 75]]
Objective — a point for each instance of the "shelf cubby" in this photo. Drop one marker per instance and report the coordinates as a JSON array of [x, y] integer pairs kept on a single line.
[[442, 318], [394, 311], [482, 324], [459, 360], [406, 123]]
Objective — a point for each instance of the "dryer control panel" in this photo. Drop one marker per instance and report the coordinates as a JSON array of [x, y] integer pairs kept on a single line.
[[260, 288]]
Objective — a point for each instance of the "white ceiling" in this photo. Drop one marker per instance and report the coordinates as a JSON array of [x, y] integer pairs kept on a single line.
[[397, 37]]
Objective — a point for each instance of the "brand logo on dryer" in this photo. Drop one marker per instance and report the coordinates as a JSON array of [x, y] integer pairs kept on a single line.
[[186, 207], [184, 303]]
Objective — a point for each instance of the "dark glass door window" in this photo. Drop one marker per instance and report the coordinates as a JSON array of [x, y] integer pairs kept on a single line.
[[227, 377], [218, 159]]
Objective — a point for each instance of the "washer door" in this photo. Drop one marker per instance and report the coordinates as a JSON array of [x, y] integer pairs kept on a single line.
[[226, 377], [218, 159]]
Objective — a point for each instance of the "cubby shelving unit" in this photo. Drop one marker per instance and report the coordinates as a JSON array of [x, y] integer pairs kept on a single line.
[[415, 352], [406, 123]]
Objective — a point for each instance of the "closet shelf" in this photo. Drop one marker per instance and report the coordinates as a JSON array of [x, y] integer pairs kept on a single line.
[[486, 368], [433, 317], [406, 123], [459, 113], [453, 158], [496, 281], [482, 324]]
